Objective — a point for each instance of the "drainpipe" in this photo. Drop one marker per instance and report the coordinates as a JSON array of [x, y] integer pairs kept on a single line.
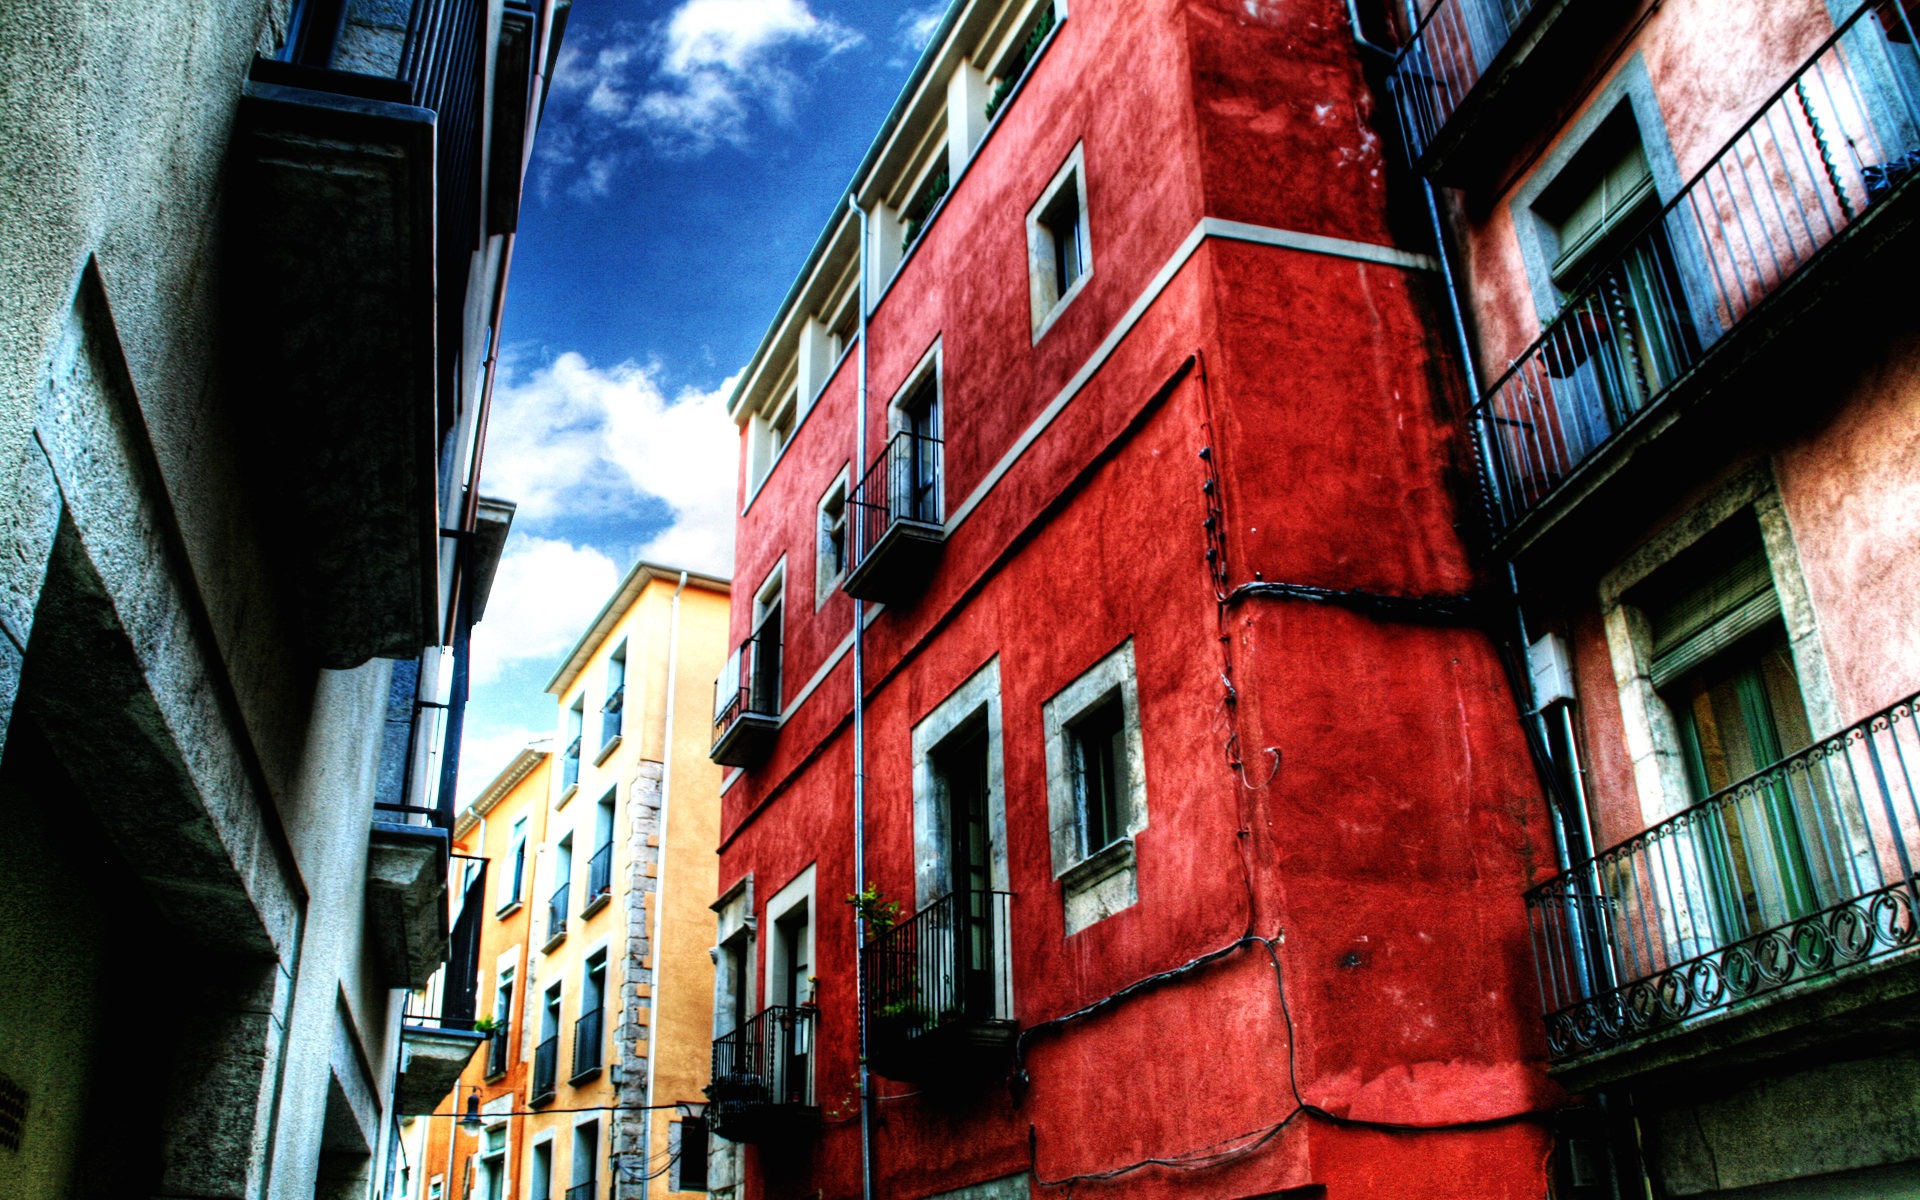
[[660, 886], [860, 745]]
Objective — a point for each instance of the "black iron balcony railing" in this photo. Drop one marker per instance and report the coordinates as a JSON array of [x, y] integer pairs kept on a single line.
[[1451, 47], [546, 1069], [939, 987], [499, 1053], [610, 720], [750, 686], [763, 1076], [902, 485], [570, 766], [1832, 142], [897, 514], [584, 1191], [557, 911], [1798, 872], [588, 1034], [600, 873]]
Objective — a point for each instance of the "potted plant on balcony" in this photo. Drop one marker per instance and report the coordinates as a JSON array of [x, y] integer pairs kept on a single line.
[[486, 1025]]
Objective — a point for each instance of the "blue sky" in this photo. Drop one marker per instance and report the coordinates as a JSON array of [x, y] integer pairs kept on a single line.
[[692, 151]]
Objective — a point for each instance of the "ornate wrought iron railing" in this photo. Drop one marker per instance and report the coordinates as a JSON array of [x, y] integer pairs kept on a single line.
[[766, 1061], [557, 910], [903, 484], [1793, 874], [948, 963], [546, 1069], [588, 1035], [750, 684], [1452, 44], [570, 766], [1835, 139]]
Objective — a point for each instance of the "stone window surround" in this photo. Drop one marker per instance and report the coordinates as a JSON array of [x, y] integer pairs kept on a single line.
[[796, 894], [1652, 734], [542, 1137], [977, 698], [1048, 300], [930, 366], [824, 584], [1098, 885]]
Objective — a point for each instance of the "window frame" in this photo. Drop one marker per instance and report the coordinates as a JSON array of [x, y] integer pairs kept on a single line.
[[824, 584], [1047, 297], [1095, 884]]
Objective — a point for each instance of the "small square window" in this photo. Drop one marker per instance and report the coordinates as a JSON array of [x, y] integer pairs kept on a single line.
[[1059, 248], [687, 1144]]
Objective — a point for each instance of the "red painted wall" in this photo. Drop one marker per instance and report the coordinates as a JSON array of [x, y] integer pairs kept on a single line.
[[1387, 853]]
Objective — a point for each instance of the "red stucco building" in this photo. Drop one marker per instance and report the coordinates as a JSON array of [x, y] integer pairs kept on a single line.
[[1182, 740]]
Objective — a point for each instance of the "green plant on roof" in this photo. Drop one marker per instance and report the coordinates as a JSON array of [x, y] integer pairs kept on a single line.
[[1042, 26]]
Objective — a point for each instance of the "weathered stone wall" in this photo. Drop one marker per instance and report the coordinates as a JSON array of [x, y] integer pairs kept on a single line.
[[632, 1035]]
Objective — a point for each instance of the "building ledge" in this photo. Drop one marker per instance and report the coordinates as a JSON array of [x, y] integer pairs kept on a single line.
[[899, 565], [1870, 1005], [407, 902], [746, 741], [431, 1060], [334, 289]]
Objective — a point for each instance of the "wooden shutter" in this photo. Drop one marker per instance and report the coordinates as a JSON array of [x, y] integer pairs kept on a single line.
[[1698, 622], [1619, 191]]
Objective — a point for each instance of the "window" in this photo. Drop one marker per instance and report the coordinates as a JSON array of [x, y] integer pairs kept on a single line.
[[540, 1177], [500, 1038], [1059, 249], [1096, 788], [570, 769], [436, 1187], [611, 711], [920, 209], [1097, 750], [511, 883], [1623, 332], [831, 563], [600, 866], [913, 469], [557, 902], [589, 1031], [767, 625], [493, 1164], [790, 955], [546, 1055], [586, 1161], [687, 1145]]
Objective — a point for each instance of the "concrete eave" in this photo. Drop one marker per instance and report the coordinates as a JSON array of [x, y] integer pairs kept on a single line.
[[407, 901]]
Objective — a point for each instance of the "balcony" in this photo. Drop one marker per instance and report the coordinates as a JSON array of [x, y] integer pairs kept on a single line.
[[1776, 915], [437, 1037], [589, 1032], [762, 1089], [557, 905], [546, 1070], [1676, 346], [1473, 77], [746, 702], [940, 991], [599, 879], [898, 521], [357, 164], [407, 921], [499, 1050], [584, 1191]]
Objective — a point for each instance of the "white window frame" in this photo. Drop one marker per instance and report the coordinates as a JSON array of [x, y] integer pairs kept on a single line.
[[823, 583], [1095, 886], [512, 880], [1048, 299], [977, 698], [543, 1138], [795, 895]]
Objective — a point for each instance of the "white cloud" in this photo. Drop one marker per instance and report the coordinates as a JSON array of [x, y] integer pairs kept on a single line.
[[917, 25], [704, 72], [483, 758], [544, 596], [575, 440]]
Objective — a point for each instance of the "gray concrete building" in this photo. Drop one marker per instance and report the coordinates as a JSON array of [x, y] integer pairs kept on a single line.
[[251, 267]]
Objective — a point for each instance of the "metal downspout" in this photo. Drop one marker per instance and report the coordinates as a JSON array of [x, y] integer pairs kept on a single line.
[[860, 744], [660, 887]]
